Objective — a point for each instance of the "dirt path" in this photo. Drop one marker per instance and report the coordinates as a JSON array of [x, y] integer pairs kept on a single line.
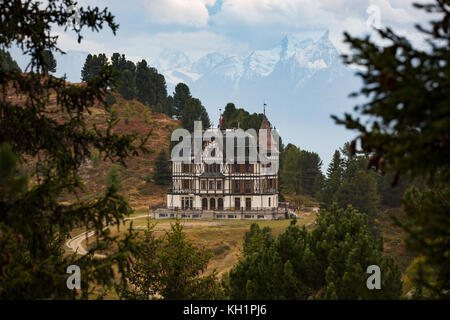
[[76, 243]]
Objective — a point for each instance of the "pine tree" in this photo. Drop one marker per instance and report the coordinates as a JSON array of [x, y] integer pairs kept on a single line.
[[49, 62], [181, 95], [93, 66], [333, 181], [34, 222], [127, 87], [118, 62], [408, 134], [319, 183], [360, 191], [142, 81], [170, 268], [310, 164], [291, 172], [162, 173], [169, 107], [194, 111], [86, 71], [150, 85], [330, 262], [7, 63]]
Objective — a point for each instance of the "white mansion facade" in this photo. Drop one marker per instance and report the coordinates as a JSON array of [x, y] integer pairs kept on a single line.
[[219, 189]]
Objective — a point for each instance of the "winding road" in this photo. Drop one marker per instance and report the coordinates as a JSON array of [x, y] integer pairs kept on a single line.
[[75, 243]]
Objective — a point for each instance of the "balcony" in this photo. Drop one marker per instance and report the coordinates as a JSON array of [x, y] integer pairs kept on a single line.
[[179, 191]]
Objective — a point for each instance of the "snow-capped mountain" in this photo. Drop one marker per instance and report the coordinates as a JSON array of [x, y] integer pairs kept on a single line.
[[172, 59], [302, 81], [297, 59]]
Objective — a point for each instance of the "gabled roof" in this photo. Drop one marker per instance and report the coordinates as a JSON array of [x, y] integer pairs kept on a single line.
[[265, 123]]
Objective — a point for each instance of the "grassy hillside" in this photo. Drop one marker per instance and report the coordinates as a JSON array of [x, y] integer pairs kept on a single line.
[[136, 177]]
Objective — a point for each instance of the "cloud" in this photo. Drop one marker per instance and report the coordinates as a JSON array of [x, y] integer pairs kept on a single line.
[[194, 44], [68, 41], [192, 13], [270, 12], [237, 25], [149, 45], [388, 13]]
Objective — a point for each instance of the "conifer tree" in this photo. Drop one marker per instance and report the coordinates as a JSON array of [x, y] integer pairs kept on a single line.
[[170, 268], [291, 172], [180, 97], [408, 132], [49, 62], [328, 263], [333, 181], [194, 111], [360, 191], [35, 222], [7, 63], [127, 86], [162, 173]]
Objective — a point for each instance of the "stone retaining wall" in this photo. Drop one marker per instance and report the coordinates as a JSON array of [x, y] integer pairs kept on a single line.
[[278, 214]]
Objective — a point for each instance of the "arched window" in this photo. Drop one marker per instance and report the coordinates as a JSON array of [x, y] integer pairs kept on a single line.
[[212, 204], [205, 204], [220, 204]]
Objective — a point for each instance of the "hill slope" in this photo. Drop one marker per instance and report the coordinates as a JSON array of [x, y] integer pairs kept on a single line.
[[136, 177]]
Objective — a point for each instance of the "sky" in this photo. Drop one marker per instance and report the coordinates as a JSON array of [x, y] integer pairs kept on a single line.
[[197, 27]]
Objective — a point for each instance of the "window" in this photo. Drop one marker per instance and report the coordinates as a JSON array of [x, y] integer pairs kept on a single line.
[[269, 201], [237, 186], [220, 204], [212, 204], [219, 184], [203, 185], [205, 204], [248, 203], [211, 185], [237, 203], [186, 202], [212, 168], [248, 186]]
